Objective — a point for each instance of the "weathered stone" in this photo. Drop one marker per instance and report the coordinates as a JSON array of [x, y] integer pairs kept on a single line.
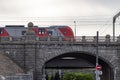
[[31, 55], [107, 38], [30, 34], [83, 39], [8, 67]]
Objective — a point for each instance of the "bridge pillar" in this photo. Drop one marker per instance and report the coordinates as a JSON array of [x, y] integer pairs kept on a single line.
[[107, 38], [83, 39], [95, 39], [118, 39], [48, 38], [117, 72], [10, 38], [30, 34], [40, 70], [60, 38], [118, 65]]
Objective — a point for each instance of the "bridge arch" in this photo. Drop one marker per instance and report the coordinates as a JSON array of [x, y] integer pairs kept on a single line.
[[80, 60]]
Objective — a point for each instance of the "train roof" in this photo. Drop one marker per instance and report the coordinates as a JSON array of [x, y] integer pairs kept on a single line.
[[58, 26], [8, 26]]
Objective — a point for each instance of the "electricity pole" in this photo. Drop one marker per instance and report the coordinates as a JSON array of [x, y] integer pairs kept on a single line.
[[114, 20], [97, 48], [97, 55]]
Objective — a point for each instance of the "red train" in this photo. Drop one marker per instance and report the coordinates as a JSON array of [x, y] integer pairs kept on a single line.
[[53, 31]]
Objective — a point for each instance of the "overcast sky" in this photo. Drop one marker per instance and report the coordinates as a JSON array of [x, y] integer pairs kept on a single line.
[[56, 8], [100, 12]]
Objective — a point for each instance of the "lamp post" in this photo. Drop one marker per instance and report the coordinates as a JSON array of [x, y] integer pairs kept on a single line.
[[97, 56], [97, 49], [114, 20]]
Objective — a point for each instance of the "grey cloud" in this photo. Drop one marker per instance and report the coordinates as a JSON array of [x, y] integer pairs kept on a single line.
[[10, 7], [108, 3], [22, 7]]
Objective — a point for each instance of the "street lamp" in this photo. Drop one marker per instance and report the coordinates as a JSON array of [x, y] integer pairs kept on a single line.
[[114, 20], [97, 76], [97, 49]]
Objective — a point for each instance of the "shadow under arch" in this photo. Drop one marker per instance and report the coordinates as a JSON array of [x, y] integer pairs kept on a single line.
[[80, 60]]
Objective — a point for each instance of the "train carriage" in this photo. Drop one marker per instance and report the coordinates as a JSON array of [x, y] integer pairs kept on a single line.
[[17, 31]]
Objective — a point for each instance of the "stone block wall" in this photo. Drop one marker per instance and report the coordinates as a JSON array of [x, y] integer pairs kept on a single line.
[[8, 67], [32, 57]]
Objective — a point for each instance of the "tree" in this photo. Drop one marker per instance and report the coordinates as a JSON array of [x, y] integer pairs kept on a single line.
[[52, 77], [78, 76]]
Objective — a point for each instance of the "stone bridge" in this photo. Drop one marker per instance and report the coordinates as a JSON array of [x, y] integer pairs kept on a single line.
[[35, 55]]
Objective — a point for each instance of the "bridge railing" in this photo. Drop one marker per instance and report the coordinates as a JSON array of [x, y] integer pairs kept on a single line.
[[94, 38], [106, 38]]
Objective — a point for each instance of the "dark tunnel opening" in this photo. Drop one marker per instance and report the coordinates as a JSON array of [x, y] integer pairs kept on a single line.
[[80, 60]]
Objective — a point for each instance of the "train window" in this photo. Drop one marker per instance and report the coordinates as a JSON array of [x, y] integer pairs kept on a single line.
[[23, 32], [49, 33], [1, 30], [41, 31]]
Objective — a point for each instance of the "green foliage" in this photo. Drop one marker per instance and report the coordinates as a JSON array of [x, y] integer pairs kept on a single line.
[[51, 78], [69, 76], [78, 76]]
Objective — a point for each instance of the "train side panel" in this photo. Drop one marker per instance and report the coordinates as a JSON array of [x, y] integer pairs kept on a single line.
[[42, 32], [18, 31]]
